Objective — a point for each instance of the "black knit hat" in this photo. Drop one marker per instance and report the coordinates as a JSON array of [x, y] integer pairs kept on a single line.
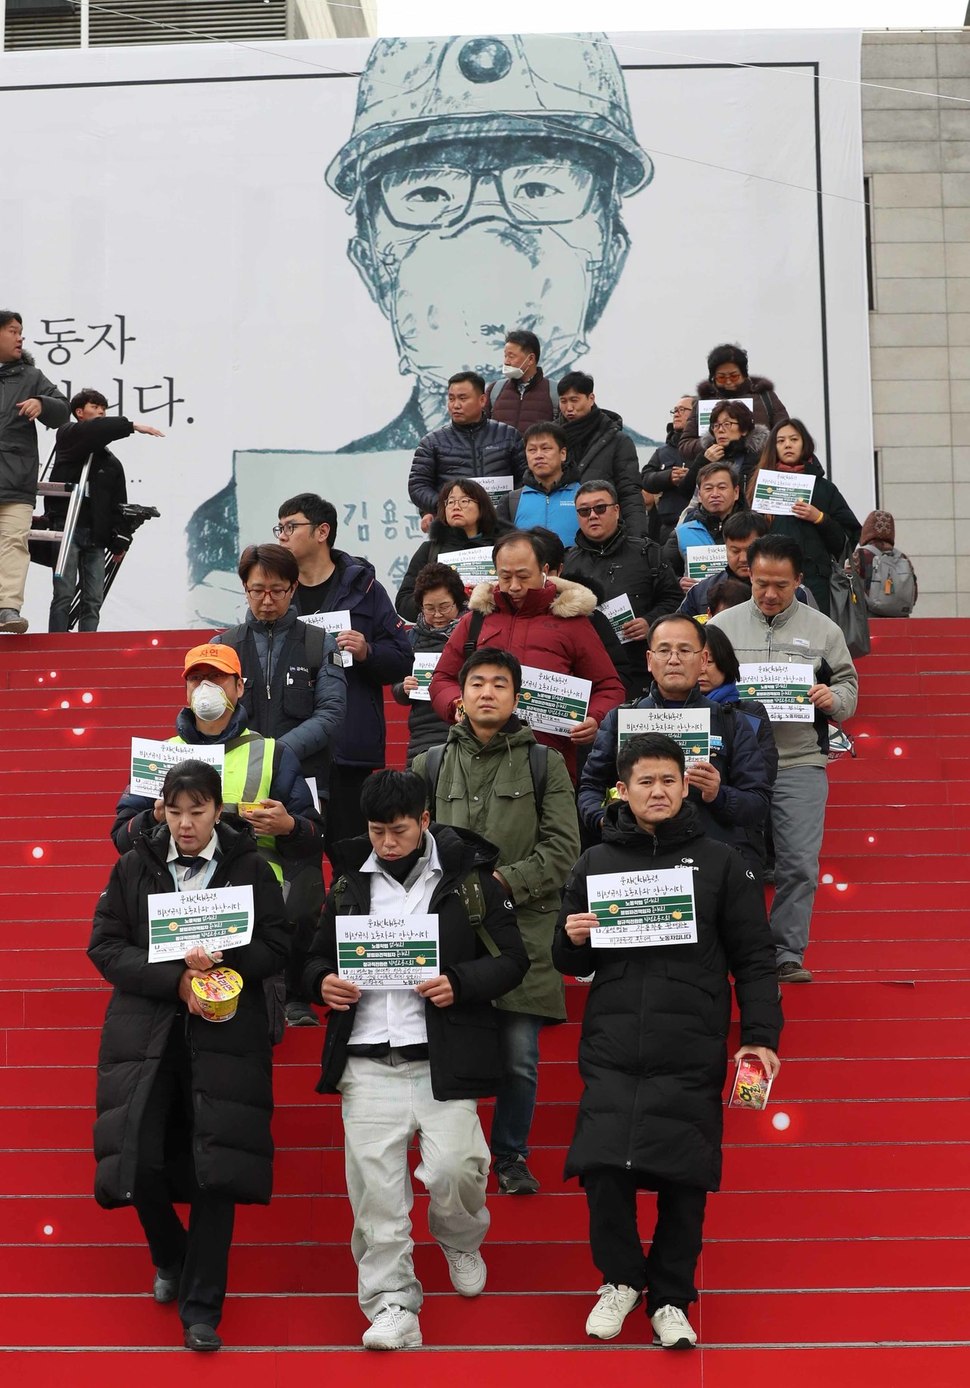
[[725, 353]]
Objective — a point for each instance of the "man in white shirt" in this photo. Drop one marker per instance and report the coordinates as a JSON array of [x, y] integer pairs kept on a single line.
[[415, 1060]]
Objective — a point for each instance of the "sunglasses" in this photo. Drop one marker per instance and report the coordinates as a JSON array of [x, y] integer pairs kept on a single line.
[[600, 509]]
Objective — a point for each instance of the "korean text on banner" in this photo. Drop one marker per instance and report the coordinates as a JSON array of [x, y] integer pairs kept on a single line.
[[551, 702], [151, 761], [387, 951], [423, 669], [219, 918], [641, 909], [471, 565], [775, 493], [618, 611], [690, 728], [782, 688], [705, 560]]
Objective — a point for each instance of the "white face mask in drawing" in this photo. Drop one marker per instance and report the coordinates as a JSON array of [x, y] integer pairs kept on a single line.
[[447, 244]]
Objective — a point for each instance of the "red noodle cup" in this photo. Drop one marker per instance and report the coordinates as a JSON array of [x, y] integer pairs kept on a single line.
[[217, 994]]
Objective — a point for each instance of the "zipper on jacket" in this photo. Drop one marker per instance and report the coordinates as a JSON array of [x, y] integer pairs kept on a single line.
[[636, 1091], [270, 631]]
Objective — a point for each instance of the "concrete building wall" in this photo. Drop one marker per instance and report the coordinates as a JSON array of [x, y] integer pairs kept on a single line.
[[916, 151]]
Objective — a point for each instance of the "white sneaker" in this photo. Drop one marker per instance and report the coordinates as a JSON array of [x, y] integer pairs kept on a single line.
[[467, 1271], [605, 1321], [672, 1329], [393, 1328]]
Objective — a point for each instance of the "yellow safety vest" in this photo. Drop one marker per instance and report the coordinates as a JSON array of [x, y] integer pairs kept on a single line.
[[248, 776]]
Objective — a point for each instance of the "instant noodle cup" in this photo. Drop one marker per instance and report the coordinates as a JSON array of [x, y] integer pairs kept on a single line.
[[218, 994]]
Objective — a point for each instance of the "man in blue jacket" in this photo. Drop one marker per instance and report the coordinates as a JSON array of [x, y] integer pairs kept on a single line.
[[717, 497], [548, 495], [471, 445], [374, 645], [732, 791]]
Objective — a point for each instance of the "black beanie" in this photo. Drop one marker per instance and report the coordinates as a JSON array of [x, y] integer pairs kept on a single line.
[[727, 352]]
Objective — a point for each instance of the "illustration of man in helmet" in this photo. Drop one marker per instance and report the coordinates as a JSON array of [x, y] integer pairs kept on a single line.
[[485, 179], [510, 155]]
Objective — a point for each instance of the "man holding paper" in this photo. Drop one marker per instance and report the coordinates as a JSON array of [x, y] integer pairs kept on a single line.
[[653, 1054], [340, 592], [413, 1058], [729, 782], [494, 779], [183, 1105], [261, 780], [639, 586], [774, 630]]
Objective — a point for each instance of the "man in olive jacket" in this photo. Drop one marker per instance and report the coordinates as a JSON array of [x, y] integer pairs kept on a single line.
[[494, 778], [653, 1054]]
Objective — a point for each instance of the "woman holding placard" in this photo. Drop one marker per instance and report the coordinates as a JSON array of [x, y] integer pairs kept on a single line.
[[826, 527], [738, 441], [184, 1103], [465, 519], [439, 596]]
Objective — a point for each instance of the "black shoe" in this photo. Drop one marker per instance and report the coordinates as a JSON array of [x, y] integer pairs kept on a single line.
[[514, 1177], [793, 971], [300, 1014], [165, 1288], [202, 1338]]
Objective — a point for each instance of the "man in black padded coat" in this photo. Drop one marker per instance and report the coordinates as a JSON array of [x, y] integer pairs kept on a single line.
[[653, 1053]]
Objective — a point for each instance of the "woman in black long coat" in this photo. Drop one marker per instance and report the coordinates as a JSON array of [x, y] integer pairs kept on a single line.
[[184, 1104], [826, 527]]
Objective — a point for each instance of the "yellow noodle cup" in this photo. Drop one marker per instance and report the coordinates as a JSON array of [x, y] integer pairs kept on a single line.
[[217, 993]]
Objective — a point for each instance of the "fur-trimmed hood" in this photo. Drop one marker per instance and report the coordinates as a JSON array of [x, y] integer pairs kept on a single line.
[[559, 596], [754, 385]]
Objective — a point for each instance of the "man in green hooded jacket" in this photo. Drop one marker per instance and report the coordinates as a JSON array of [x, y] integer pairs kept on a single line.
[[494, 778]]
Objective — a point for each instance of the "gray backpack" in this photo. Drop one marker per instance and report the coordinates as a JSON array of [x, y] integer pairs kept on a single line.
[[891, 591]]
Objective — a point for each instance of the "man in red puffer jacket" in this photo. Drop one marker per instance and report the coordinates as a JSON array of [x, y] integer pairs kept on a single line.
[[545, 623]]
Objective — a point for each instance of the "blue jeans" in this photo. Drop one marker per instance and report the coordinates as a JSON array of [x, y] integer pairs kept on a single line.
[[85, 562], [515, 1101]]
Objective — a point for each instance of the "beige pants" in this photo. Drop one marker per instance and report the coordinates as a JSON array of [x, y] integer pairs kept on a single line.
[[385, 1102], [15, 518]]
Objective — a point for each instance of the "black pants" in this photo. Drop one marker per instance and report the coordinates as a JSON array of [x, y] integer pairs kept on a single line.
[[204, 1251], [344, 819], [667, 1273], [304, 901]]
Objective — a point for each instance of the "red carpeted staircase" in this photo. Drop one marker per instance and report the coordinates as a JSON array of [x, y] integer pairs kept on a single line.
[[836, 1253]]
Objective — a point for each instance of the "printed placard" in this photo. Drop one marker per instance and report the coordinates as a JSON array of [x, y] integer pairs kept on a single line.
[[471, 565], [333, 622], [387, 951], [690, 728], [496, 487], [642, 909], [705, 408], [618, 612], [705, 560], [782, 688], [151, 760], [216, 917], [423, 669], [551, 702], [775, 493]]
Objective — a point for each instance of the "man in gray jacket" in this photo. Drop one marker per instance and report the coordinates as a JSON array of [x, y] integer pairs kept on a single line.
[[774, 628], [25, 395]]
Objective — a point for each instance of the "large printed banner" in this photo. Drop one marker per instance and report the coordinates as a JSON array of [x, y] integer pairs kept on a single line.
[[278, 255]]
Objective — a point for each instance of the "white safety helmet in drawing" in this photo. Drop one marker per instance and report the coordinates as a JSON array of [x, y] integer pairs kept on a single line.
[[549, 85]]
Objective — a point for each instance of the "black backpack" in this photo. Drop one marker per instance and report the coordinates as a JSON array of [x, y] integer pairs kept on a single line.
[[538, 767]]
